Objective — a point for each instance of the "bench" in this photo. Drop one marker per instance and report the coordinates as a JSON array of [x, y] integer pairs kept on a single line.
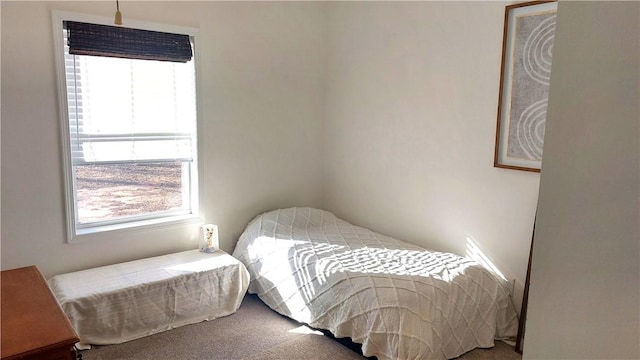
[[122, 302]]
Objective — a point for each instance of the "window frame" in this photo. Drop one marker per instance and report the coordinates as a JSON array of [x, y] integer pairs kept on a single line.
[[77, 233]]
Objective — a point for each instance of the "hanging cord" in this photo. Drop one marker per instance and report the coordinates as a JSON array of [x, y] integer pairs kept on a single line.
[[118, 20]]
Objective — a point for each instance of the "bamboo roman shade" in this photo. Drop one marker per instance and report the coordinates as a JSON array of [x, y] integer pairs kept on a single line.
[[122, 42]]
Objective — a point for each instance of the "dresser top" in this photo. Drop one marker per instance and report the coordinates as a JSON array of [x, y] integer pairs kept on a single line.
[[31, 319]]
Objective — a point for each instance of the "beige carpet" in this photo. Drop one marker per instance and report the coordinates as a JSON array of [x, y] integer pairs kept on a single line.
[[253, 332]]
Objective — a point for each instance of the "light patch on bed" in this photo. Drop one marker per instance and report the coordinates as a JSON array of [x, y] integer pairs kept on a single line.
[[474, 252], [403, 262], [293, 297], [305, 331]]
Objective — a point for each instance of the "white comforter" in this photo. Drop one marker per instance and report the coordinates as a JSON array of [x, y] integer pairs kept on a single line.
[[398, 300]]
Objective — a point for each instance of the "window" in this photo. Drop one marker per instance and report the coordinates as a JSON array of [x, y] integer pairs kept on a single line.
[[130, 130]]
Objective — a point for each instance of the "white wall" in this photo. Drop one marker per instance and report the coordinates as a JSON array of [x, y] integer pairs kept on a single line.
[[412, 103], [585, 283], [261, 77]]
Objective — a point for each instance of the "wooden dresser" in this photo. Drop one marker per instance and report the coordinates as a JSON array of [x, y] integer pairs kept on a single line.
[[33, 325]]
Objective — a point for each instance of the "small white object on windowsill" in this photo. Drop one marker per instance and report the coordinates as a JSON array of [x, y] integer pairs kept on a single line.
[[209, 241]]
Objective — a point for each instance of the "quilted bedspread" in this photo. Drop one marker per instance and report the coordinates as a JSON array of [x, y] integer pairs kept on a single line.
[[398, 300]]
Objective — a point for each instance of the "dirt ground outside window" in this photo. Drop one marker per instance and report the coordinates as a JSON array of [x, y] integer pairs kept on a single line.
[[106, 192]]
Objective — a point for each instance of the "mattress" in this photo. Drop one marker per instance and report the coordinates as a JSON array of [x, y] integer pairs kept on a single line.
[[117, 303], [398, 300]]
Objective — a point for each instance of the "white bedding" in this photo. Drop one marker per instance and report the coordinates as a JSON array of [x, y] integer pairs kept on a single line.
[[398, 300], [121, 302]]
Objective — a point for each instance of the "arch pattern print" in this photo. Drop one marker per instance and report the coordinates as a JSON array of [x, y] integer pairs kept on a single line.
[[538, 51], [530, 129], [524, 85]]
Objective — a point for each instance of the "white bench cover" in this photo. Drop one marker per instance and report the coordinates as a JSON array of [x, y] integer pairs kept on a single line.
[[117, 303]]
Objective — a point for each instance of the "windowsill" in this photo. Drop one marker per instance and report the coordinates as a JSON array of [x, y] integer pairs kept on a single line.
[[88, 234]]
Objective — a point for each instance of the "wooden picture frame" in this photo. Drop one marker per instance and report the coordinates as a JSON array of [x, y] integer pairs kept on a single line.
[[527, 50]]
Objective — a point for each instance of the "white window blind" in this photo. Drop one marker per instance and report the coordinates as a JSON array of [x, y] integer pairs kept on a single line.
[[125, 110]]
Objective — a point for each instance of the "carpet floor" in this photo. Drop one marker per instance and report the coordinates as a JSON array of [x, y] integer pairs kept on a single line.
[[253, 332]]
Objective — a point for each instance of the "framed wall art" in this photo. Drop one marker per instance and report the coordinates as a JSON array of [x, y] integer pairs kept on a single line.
[[527, 51]]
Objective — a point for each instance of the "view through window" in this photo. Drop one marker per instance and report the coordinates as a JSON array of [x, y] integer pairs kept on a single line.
[[114, 191]]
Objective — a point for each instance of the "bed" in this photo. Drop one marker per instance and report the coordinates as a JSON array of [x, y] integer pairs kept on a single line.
[[398, 300]]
